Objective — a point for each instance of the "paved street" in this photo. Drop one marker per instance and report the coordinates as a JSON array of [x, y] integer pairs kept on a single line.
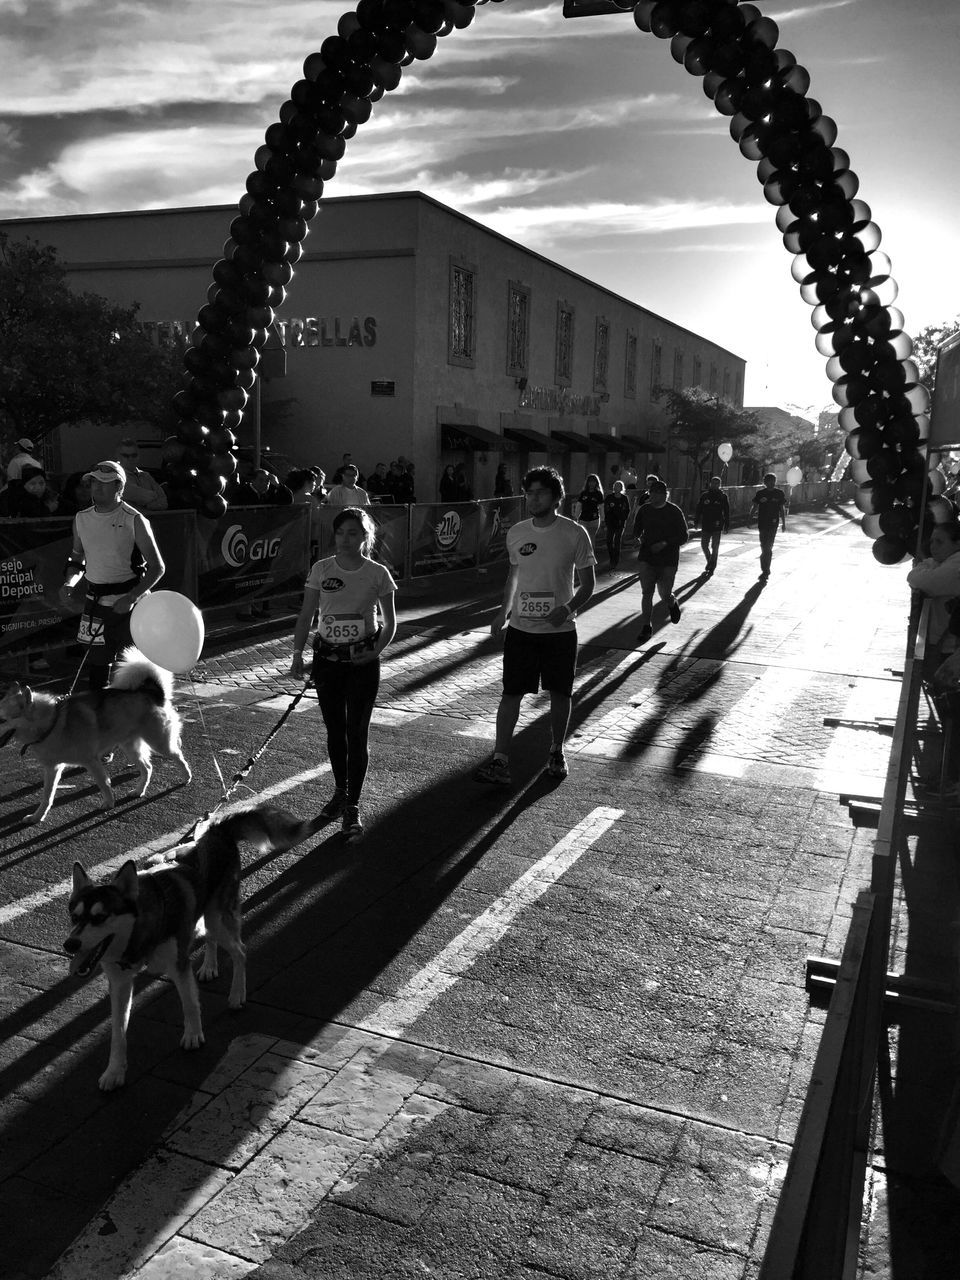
[[559, 1031]]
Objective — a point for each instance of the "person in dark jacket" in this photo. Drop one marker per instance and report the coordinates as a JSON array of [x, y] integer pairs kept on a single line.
[[502, 488], [662, 530], [448, 484], [463, 491], [713, 517], [28, 498], [616, 508]]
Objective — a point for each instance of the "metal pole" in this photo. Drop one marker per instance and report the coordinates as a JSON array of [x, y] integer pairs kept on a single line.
[[256, 423]]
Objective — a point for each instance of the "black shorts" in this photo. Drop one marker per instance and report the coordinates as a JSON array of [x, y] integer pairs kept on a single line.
[[533, 661]]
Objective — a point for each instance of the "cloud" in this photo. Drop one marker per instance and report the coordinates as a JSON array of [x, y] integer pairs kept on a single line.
[[554, 223], [809, 10]]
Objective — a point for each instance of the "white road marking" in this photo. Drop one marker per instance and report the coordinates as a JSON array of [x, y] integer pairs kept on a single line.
[[22, 906], [221, 1195], [394, 1016]]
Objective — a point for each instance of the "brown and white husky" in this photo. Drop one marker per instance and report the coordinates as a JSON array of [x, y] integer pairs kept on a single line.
[[134, 712], [149, 919]]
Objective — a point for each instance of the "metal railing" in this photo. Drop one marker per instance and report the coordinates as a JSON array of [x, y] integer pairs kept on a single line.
[[816, 1227]]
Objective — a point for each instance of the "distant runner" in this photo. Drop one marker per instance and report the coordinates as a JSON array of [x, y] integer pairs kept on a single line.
[[713, 517], [769, 509]]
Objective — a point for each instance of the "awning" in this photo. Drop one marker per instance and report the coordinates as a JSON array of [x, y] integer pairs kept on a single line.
[[574, 441], [456, 436], [533, 441], [643, 446], [612, 444]]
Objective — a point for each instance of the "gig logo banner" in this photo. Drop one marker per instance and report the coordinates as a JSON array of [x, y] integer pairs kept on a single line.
[[252, 553]]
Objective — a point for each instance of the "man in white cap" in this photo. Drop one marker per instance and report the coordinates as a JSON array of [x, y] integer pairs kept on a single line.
[[106, 540], [22, 458]]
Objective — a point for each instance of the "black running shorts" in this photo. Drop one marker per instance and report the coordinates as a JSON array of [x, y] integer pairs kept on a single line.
[[532, 662]]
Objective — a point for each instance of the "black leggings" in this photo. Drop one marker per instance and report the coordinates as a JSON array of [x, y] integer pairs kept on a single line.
[[347, 695], [614, 541]]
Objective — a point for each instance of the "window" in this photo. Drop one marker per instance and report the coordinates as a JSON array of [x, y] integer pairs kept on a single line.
[[518, 329], [563, 372], [677, 369], [630, 366], [713, 378], [463, 311], [726, 384], [697, 371], [738, 394], [655, 358], [601, 354]]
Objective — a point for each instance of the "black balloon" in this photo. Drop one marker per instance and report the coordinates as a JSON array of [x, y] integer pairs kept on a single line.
[[889, 550]]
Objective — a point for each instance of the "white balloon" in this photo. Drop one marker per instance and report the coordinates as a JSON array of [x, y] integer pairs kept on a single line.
[[794, 476], [725, 452], [168, 629]]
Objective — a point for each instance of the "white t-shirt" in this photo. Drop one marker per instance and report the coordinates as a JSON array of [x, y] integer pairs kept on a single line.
[[348, 598], [341, 496], [545, 557]]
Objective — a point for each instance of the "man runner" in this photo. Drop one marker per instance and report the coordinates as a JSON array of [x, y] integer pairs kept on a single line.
[[713, 516], [540, 646], [769, 508]]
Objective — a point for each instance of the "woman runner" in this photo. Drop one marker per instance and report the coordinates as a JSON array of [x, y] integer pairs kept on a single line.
[[591, 503], [350, 591]]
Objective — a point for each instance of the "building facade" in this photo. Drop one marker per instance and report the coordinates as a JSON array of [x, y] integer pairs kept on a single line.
[[411, 330]]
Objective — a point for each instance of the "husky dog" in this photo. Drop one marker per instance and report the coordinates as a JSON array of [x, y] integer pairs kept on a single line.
[[149, 919], [133, 712]]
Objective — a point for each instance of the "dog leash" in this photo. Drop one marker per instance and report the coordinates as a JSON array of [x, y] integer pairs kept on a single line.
[[242, 772]]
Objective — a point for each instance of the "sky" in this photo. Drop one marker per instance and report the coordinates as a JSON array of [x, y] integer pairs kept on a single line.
[[581, 139]]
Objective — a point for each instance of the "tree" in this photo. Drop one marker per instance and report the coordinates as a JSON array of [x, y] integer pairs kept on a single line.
[[925, 346], [810, 446], [700, 420], [69, 357]]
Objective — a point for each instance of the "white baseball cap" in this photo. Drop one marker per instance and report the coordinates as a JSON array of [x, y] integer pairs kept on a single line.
[[107, 471]]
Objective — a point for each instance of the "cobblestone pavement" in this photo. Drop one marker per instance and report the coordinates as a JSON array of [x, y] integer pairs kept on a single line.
[[556, 1032]]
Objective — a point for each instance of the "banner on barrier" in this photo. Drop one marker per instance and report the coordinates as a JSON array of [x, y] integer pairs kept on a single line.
[[252, 552], [497, 516], [32, 558], [444, 536]]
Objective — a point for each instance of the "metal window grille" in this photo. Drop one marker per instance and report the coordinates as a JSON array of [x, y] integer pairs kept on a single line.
[[564, 361], [697, 371], [713, 377], [630, 366], [656, 356], [677, 369], [518, 339], [726, 384], [601, 355], [462, 313]]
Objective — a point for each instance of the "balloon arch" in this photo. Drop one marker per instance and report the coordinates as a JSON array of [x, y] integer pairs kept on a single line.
[[830, 234]]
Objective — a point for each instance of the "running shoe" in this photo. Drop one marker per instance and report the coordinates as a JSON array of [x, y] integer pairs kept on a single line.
[[335, 805], [351, 826], [496, 772], [557, 763], [675, 612], [646, 631]]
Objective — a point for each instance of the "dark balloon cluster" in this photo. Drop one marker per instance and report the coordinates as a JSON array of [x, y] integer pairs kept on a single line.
[[351, 71], [884, 408]]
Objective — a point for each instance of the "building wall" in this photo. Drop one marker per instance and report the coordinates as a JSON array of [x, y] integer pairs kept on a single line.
[[369, 306]]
